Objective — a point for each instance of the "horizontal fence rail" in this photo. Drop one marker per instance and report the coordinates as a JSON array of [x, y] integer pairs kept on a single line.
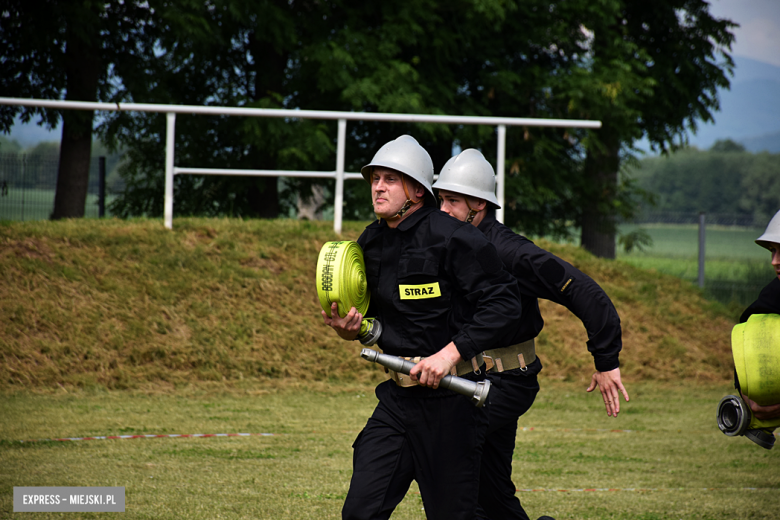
[[342, 117]]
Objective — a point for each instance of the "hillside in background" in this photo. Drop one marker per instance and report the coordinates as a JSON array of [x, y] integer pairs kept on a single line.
[[749, 111], [127, 304], [724, 180]]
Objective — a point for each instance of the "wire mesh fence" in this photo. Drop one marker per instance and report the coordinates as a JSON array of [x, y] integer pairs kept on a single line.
[[28, 183], [735, 267]]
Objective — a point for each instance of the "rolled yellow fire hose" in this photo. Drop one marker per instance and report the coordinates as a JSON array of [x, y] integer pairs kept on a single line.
[[341, 278], [756, 349]]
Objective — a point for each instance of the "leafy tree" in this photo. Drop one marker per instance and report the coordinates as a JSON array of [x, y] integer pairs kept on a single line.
[[9, 147], [655, 71], [760, 187], [722, 180], [643, 70], [727, 145], [74, 49]]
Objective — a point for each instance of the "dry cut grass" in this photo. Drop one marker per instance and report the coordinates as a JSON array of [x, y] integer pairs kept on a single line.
[[129, 304]]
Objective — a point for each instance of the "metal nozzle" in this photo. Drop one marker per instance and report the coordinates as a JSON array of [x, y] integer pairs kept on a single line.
[[478, 392]]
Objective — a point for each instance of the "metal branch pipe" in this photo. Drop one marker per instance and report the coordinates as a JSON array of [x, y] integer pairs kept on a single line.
[[476, 391]]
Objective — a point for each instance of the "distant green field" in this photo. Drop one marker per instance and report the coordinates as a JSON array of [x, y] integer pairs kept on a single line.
[[735, 267], [33, 204], [682, 241]]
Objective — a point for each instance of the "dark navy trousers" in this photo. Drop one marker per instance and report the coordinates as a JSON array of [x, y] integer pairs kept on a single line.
[[431, 436], [511, 395]]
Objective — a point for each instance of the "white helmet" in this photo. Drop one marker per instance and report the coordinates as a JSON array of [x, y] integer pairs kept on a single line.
[[469, 173], [406, 156], [772, 233]]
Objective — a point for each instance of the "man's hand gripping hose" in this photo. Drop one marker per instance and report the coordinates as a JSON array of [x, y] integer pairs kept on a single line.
[[478, 392]]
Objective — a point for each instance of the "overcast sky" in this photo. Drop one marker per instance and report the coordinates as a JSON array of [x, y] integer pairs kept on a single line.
[[758, 34]]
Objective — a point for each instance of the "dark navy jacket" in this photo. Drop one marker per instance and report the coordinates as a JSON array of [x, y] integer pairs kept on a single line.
[[540, 274], [768, 301], [434, 279]]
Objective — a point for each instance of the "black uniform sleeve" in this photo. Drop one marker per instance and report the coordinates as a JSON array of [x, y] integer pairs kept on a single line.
[[476, 269], [768, 301], [541, 274]]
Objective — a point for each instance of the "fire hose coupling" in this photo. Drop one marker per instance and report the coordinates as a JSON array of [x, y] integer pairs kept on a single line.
[[341, 278], [735, 418], [476, 391]]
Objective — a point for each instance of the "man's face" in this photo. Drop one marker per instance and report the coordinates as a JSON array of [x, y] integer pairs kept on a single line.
[[774, 248], [455, 204], [387, 191]]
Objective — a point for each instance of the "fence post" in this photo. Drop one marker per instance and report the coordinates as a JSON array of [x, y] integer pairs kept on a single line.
[[702, 238], [500, 160], [24, 163], [170, 133], [101, 186], [338, 202]]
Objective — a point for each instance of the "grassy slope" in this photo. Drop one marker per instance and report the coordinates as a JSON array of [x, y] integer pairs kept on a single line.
[[128, 304]]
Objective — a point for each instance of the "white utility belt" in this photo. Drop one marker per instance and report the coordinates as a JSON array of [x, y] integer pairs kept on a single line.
[[509, 358]]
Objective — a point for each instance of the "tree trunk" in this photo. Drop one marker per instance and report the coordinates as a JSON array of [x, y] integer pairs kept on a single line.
[[269, 69], [263, 197], [598, 215], [82, 69]]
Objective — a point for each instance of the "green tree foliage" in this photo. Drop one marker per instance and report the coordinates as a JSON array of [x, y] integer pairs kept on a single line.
[[9, 147], [643, 70], [462, 57], [726, 179], [656, 68], [75, 50]]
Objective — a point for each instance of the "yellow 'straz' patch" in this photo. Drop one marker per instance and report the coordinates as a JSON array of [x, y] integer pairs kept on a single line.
[[418, 292]]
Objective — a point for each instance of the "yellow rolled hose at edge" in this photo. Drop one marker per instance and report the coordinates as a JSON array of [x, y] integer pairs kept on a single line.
[[755, 346], [341, 278]]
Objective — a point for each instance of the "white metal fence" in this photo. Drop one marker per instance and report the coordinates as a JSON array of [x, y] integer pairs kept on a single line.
[[342, 117]]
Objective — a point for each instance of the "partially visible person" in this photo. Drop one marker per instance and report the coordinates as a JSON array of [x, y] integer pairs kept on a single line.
[[466, 187], [439, 290], [768, 302]]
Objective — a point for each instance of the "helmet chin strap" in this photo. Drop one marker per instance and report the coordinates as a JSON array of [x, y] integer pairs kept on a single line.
[[472, 212], [407, 204]]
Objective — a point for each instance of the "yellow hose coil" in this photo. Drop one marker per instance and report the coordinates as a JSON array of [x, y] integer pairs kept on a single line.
[[756, 349], [341, 278]]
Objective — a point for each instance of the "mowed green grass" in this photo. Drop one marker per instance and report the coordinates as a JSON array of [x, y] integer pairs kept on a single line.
[[735, 270], [672, 464], [682, 240]]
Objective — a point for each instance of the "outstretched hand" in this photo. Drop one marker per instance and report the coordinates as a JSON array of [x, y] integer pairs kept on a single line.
[[609, 383], [347, 327]]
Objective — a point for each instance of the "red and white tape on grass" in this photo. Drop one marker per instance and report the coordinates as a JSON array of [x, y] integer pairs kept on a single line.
[[157, 436], [529, 490], [194, 435]]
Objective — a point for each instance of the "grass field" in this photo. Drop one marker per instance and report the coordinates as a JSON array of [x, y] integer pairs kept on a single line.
[[735, 270], [672, 464], [114, 327]]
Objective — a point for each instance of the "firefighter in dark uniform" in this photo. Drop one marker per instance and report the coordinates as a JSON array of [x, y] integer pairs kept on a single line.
[[439, 290], [466, 187], [768, 302]]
